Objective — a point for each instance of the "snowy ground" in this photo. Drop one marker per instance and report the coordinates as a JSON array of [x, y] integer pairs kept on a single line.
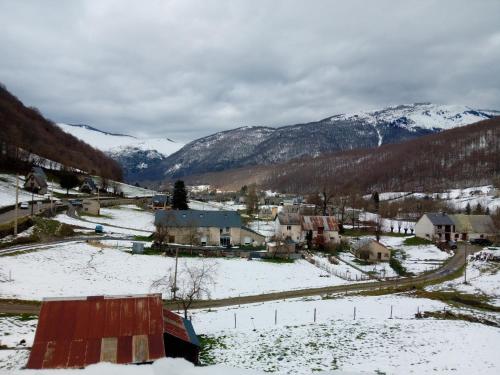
[[82, 269], [483, 278], [212, 205], [372, 342], [63, 218], [128, 216], [380, 269], [266, 228]]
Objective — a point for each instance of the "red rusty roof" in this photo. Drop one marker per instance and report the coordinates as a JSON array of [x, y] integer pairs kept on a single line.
[[74, 333], [179, 327], [328, 223]]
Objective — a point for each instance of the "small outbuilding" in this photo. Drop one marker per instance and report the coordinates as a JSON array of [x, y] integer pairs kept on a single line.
[[161, 202], [88, 186], [371, 250], [36, 181], [77, 332], [91, 206]]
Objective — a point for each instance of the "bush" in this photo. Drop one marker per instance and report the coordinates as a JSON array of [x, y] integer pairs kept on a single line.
[[397, 266]]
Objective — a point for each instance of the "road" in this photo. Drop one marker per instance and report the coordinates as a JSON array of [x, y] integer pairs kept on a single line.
[[452, 265], [9, 216]]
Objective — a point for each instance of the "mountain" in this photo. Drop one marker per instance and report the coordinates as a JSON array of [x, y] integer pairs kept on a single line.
[[24, 132], [455, 158], [260, 145], [139, 158]]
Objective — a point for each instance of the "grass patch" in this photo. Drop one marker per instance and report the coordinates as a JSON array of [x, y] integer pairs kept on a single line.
[[143, 238], [415, 241], [277, 260], [459, 299], [82, 213], [396, 265], [207, 345], [23, 317], [449, 315]]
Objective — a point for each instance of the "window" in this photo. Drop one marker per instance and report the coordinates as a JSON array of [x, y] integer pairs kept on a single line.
[[288, 227]]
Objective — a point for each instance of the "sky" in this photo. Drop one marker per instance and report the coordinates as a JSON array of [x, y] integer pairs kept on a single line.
[[185, 69]]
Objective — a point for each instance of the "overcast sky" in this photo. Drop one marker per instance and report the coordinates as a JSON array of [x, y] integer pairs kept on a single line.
[[185, 69]]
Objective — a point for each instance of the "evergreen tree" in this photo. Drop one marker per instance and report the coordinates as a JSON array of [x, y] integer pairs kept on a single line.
[[252, 200], [479, 209], [468, 210], [487, 211], [376, 200], [179, 198], [68, 181]]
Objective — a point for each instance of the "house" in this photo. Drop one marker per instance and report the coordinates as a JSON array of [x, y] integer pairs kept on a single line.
[[91, 206], [469, 227], [371, 250], [36, 181], [288, 225], [161, 202], [322, 229], [212, 228], [76, 332], [88, 186], [268, 212], [435, 227]]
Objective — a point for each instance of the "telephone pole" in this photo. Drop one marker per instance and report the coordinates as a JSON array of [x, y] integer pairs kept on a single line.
[[17, 202]]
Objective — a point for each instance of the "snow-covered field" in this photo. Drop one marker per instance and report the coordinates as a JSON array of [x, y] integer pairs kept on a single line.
[[63, 218], [380, 269], [370, 343], [82, 269], [127, 216], [266, 228], [483, 278]]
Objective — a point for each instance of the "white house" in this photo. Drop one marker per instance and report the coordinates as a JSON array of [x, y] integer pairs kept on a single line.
[[288, 225], [435, 227]]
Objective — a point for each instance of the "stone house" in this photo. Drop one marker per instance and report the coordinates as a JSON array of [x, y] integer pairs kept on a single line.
[[36, 181], [321, 228], [371, 250], [288, 225]]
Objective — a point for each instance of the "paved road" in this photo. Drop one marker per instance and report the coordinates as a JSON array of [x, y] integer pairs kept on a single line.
[[451, 266], [9, 216]]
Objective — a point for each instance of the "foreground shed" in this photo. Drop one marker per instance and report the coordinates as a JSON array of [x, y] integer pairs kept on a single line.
[[76, 332]]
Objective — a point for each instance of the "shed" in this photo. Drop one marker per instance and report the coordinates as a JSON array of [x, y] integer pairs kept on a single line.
[[371, 250], [76, 332], [138, 247], [91, 206], [179, 337]]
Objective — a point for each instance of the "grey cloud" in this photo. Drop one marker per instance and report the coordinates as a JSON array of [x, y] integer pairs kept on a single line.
[[184, 69]]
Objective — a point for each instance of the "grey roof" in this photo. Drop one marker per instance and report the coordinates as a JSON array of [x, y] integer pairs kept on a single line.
[[439, 218], [198, 218], [90, 182], [473, 223], [289, 219], [252, 231], [39, 171]]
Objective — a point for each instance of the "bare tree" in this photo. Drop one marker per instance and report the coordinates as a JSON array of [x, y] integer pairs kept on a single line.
[[192, 282]]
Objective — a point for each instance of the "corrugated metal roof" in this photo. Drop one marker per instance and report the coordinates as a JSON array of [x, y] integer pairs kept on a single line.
[[328, 223], [74, 333], [179, 327], [198, 218]]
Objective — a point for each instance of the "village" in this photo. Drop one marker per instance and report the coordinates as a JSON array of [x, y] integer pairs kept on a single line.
[[101, 271]]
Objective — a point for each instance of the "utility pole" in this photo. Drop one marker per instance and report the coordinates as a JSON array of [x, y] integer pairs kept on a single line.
[[32, 184], [17, 203], [174, 289], [465, 267]]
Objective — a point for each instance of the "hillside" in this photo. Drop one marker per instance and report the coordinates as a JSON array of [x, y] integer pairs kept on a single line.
[[464, 156], [139, 158], [27, 129], [247, 146]]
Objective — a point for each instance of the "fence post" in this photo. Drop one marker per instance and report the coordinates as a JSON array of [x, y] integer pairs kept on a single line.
[[391, 313], [234, 320], [315, 315], [275, 316], [354, 312]]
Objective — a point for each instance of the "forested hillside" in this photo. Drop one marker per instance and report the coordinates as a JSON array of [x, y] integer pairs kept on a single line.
[[26, 128], [465, 156]]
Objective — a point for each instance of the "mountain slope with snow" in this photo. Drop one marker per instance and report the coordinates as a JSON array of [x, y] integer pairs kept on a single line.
[[257, 145], [139, 158]]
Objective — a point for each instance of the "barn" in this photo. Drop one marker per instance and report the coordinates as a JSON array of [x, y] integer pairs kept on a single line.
[[77, 332]]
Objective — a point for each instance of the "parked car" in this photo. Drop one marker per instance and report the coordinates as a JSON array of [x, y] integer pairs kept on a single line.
[[99, 229], [481, 242], [24, 205], [452, 245], [76, 202]]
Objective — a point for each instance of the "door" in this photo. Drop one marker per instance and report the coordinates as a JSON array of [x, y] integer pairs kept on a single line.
[[225, 241], [379, 256]]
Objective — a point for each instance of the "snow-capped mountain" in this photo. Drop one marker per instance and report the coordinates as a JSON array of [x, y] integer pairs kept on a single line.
[[139, 158], [265, 145]]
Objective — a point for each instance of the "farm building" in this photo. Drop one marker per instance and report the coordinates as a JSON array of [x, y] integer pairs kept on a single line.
[[212, 228], [160, 202], [288, 225], [91, 206], [371, 250], [321, 228], [88, 186], [36, 181], [469, 227], [435, 227], [76, 332]]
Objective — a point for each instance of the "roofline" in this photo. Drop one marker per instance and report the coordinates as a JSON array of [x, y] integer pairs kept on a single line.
[[104, 296]]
